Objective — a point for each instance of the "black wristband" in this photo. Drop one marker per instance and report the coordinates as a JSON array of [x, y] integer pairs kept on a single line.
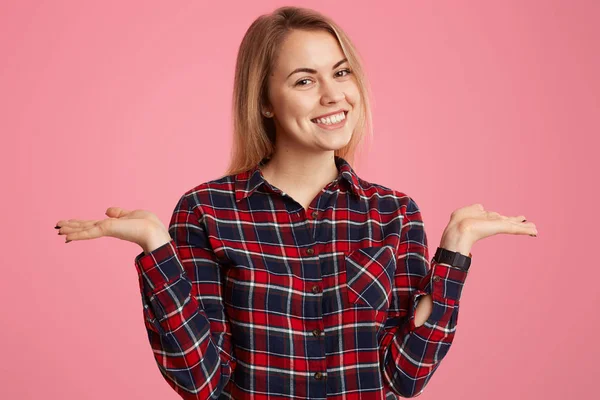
[[452, 258]]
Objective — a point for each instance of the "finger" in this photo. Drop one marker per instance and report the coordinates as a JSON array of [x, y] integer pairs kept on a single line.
[[116, 212], [519, 222], [75, 227], [521, 228], [74, 223], [64, 222], [519, 218], [92, 232], [494, 215]]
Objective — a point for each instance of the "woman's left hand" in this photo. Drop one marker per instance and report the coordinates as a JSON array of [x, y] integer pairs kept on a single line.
[[472, 223]]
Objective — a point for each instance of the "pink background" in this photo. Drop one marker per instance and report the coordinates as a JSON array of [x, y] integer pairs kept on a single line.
[[128, 104]]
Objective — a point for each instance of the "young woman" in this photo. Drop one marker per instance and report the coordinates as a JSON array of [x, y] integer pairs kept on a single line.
[[290, 277]]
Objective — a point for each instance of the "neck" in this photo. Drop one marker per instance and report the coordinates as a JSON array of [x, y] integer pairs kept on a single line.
[[293, 169]]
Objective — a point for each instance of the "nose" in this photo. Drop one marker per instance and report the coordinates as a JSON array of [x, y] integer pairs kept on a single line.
[[331, 93]]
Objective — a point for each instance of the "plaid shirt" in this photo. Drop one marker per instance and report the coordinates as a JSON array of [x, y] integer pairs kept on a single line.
[[257, 298]]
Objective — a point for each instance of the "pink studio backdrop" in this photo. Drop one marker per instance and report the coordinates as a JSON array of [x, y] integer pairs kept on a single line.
[[128, 104]]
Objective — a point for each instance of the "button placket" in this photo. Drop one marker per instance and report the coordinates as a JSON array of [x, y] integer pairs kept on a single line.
[[315, 289]]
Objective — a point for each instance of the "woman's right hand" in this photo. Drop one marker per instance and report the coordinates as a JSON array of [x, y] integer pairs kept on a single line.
[[138, 226]]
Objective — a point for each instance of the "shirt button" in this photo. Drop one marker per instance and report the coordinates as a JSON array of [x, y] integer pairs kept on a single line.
[[318, 375], [316, 332], [310, 251], [315, 289], [315, 214], [436, 278]]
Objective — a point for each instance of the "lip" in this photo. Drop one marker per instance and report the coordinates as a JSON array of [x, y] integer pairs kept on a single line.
[[331, 127], [331, 113]]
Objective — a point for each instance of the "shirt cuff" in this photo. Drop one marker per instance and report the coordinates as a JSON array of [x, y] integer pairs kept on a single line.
[[159, 268], [445, 282]]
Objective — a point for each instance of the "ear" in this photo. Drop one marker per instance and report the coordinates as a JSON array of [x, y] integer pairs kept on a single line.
[[266, 107], [267, 112]]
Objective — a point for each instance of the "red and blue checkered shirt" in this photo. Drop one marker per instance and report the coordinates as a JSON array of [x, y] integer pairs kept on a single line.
[[257, 298]]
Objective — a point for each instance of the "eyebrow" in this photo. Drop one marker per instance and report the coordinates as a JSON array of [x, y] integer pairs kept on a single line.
[[314, 71]]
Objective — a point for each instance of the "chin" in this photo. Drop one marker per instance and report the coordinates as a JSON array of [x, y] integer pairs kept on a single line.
[[338, 143]]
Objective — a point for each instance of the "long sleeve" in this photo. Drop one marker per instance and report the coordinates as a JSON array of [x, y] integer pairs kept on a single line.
[[180, 284], [410, 355]]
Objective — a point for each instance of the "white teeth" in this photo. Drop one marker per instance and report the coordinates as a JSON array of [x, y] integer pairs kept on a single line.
[[332, 119]]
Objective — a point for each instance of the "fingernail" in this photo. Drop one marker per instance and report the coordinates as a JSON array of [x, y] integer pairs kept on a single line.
[[57, 227]]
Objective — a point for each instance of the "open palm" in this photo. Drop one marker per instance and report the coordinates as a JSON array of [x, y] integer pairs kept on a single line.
[[477, 223], [133, 226]]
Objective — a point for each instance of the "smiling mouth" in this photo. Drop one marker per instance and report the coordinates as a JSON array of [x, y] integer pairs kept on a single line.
[[331, 123]]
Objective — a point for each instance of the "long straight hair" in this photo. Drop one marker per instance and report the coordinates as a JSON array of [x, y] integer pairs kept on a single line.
[[254, 134]]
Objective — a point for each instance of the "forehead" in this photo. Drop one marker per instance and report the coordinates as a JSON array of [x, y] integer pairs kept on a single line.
[[311, 49]]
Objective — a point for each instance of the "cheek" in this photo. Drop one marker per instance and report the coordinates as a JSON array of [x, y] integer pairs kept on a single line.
[[353, 95], [296, 106], [304, 105]]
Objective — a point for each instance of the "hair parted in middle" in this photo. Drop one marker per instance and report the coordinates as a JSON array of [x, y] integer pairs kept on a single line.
[[254, 134]]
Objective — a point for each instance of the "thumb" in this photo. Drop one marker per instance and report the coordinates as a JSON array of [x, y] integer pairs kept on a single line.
[[116, 212]]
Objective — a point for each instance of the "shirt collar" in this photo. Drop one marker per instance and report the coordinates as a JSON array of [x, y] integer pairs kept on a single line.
[[248, 181]]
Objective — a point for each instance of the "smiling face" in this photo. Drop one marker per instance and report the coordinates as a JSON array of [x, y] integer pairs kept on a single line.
[[310, 79]]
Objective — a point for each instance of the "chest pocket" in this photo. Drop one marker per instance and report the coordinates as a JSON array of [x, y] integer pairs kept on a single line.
[[370, 276]]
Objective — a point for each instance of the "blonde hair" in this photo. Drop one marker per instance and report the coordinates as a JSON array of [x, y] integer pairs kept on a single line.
[[253, 134]]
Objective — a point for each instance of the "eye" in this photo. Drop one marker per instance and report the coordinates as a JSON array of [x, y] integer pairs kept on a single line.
[[347, 72], [301, 80]]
